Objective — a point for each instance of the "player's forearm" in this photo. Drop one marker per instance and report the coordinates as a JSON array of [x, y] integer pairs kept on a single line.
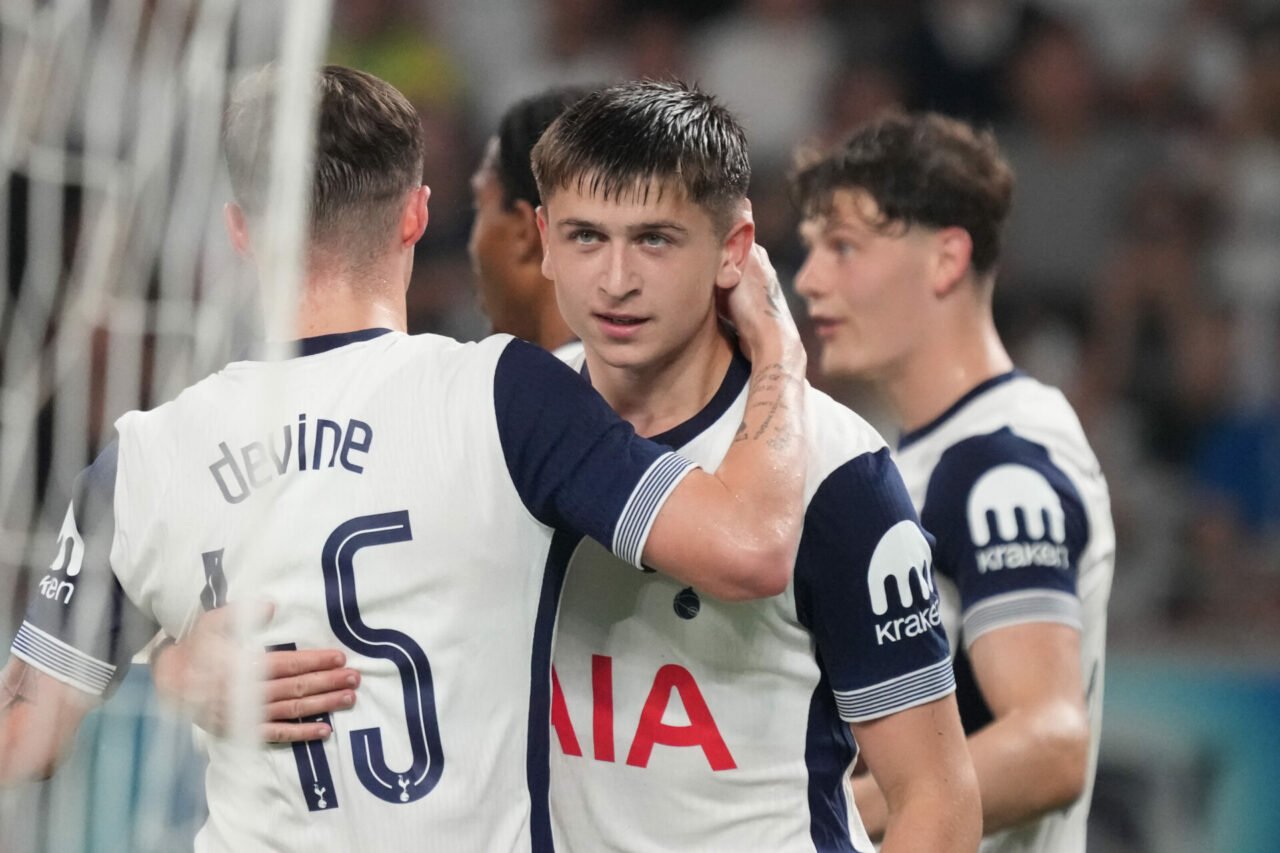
[[1029, 763], [871, 806], [942, 820], [35, 728], [764, 470]]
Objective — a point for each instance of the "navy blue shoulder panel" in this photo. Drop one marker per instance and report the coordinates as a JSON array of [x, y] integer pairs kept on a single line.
[[574, 462], [863, 581], [79, 623], [1006, 518]]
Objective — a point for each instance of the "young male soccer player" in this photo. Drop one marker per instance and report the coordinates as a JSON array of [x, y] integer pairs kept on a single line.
[[411, 498], [505, 248], [903, 226], [681, 722], [506, 254]]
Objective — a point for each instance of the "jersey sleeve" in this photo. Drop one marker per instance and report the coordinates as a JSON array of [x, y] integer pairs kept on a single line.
[[577, 466], [1010, 529], [864, 589], [80, 627]]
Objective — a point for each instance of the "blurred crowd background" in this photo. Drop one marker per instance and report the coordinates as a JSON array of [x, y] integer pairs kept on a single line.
[[1142, 268]]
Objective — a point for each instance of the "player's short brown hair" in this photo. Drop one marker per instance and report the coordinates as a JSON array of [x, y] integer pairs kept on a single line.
[[923, 169], [368, 152], [637, 136]]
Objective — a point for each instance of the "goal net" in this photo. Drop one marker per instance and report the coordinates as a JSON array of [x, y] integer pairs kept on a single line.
[[119, 289]]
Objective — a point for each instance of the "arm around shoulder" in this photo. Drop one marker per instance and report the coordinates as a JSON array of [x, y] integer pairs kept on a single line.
[[734, 534]]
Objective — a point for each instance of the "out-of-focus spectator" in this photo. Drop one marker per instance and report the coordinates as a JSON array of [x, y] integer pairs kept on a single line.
[[1075, 169], [769, 63], [958, 55], [858, 92], [1247, 257], [392, 39], [515, 49]]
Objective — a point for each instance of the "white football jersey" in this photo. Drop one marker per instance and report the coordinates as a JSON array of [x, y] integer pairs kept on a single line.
[[1014, 497], [685, 723], [396, 496]]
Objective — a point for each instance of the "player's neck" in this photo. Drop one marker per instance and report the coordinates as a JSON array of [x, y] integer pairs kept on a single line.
[[961, 356], [660, 396], [333, 303]]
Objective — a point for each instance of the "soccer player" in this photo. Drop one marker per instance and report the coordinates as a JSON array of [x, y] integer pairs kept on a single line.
[[506, 254], [505, 248], [682, 722], [412, 499], [903, 225]]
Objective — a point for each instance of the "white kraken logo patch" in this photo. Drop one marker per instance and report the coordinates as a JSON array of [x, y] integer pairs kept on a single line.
[[1002, 492], [70, 554], [902, 552], [69, 558]]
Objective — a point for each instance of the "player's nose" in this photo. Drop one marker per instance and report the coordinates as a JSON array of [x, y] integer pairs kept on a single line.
[[807, 281], [618, 279]]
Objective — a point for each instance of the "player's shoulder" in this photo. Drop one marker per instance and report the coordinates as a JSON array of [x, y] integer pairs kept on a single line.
[[1012, 417], [837, 436]]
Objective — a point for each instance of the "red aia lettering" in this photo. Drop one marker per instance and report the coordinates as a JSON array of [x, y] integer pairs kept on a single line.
[[560, 718], [602, 714], [701, 731]]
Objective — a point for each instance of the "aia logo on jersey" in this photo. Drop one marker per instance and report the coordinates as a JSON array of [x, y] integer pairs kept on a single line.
[[1016, 520], [66, 562], [672, 685], [903, 555]]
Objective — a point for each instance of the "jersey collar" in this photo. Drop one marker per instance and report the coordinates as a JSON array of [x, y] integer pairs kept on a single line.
[[324, 343], [911, 437], [735, 379]]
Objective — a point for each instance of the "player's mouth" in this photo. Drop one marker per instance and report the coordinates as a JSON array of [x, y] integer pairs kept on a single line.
[[620, 326], [825, 327]]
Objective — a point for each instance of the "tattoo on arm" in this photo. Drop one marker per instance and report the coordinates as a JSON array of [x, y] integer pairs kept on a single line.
[[773, 295], [768, 383]]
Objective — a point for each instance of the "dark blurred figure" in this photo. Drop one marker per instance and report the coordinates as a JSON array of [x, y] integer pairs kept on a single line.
[[958, 55], [1075, 169], [505, 248]]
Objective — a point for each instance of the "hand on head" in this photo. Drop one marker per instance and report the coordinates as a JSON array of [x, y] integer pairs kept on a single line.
[[757, 308]]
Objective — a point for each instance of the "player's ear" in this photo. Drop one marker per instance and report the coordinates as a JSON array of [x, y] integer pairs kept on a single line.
[[413, 218], [542, 233], [527, 233], [736, 247], [953, 252], [237, 229]]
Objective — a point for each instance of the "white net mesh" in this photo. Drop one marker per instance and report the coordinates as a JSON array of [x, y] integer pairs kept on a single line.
[[119, 289]]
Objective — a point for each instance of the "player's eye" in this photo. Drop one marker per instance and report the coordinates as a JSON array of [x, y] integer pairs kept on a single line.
[[843, 248], [584, 237], [654, 240]]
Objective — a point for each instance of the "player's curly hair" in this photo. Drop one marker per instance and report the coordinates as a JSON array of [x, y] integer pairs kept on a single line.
[[923, 169], [368, 154], [646, 135]]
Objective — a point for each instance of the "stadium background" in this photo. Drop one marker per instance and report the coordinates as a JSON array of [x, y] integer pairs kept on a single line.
[[1142, 275]]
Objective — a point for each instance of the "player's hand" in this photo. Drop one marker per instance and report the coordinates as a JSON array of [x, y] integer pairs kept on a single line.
[[197, 674], [758, 309]]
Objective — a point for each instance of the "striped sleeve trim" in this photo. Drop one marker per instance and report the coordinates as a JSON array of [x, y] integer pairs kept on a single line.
[[1016, 608], [632, 529], [898, 694], [64, 662]]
